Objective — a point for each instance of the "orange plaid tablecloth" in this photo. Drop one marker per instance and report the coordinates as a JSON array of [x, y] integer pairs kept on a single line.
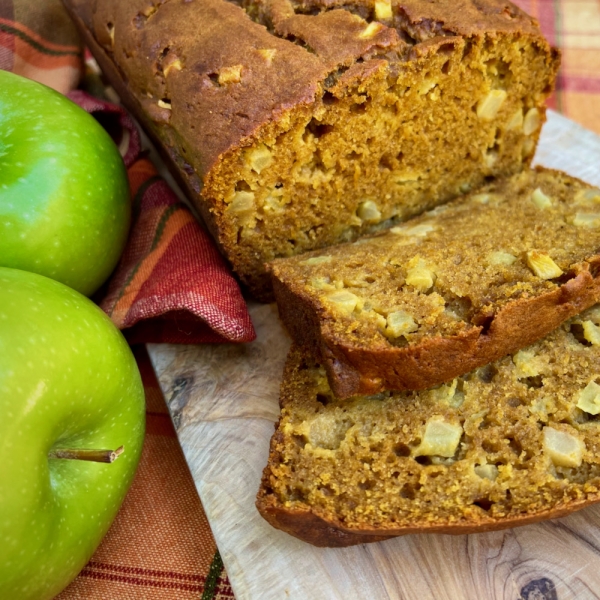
[[161, 547], [574, 27]]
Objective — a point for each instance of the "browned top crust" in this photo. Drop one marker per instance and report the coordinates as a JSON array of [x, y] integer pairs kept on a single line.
[[424, 20], [213, 117], [308, 47]]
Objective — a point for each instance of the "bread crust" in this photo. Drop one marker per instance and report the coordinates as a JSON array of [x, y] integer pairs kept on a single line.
[[354, 370], [314, 529]]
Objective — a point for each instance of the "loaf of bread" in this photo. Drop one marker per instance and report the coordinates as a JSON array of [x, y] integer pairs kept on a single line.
[[296, 124], [450, 290], [508, 444]]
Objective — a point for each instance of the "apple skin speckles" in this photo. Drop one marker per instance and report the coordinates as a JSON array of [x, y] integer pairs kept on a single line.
[[67, 380], [53, 154]]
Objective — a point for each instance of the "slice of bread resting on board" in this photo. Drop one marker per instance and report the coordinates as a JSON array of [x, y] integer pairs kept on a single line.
[[508, 444], [450, 290]]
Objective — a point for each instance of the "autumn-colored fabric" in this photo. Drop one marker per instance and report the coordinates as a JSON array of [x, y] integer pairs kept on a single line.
[[574, 27], [171, 284], [38, 40]]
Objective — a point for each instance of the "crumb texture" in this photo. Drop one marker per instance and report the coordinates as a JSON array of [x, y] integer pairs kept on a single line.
[[300, 124], [514, 440], [449, 272], [442, 272]]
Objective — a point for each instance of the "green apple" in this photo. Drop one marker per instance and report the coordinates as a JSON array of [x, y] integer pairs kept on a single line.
[[69, 385], [64, 196]]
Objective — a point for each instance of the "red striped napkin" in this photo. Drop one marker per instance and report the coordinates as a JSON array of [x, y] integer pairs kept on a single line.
[[171, 284]]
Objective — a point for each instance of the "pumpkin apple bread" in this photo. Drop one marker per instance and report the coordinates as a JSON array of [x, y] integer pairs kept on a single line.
[[297, 124], [450, 290], [508, 444]]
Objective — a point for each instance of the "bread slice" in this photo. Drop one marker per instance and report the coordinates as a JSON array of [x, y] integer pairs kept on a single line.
[[508, 444], [296, 124], [448, 291]]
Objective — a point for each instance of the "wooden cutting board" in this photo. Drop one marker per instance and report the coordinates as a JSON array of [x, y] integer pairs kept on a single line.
[[224, 400]]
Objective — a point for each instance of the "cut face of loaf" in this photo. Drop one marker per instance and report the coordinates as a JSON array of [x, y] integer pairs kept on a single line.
[[294, 125], [449, 291], [508, 444]]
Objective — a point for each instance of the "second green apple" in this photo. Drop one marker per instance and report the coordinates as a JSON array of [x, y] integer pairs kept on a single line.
[[64, 195]]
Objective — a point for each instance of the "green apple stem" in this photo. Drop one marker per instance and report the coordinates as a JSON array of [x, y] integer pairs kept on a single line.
[[101, 456]]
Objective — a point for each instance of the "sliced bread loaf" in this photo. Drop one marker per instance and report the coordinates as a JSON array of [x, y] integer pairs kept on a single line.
[[295, 124], [451, 290], [508, 444]]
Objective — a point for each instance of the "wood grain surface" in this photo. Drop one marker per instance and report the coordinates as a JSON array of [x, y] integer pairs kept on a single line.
[[224, 400]]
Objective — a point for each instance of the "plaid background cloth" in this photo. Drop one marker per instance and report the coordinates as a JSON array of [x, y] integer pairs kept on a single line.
[[574, 27], [160, 546]]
